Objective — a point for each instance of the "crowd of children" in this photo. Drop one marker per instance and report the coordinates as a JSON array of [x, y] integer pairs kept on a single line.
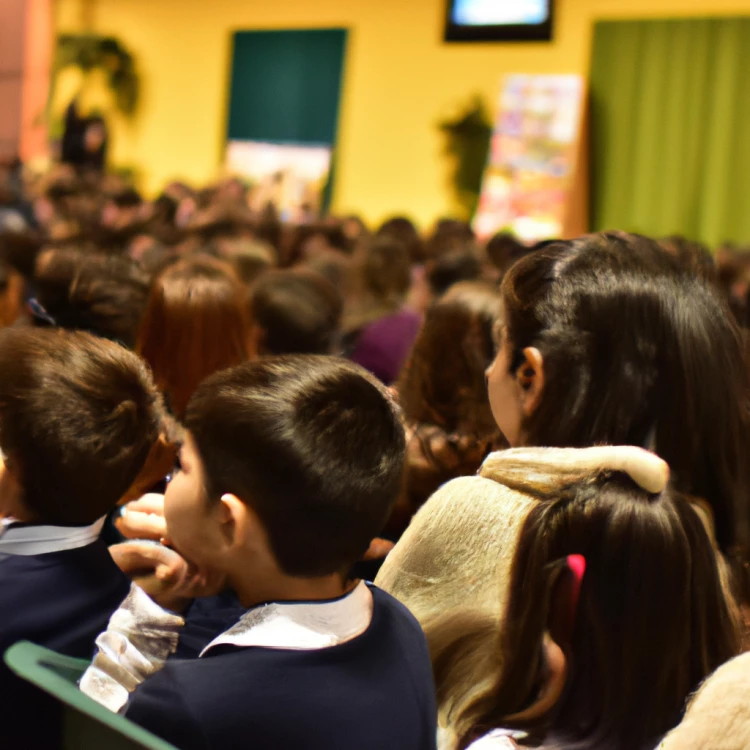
[[216, 429]]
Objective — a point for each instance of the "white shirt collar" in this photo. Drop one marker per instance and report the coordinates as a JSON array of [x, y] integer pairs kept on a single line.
[[39, 540], [304, 626]]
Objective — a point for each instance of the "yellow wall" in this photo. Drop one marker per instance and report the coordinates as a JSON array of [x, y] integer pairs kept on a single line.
[[400, 81]]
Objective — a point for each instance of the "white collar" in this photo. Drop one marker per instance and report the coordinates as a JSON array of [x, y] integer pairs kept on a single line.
[[304, 626], [39, 540]]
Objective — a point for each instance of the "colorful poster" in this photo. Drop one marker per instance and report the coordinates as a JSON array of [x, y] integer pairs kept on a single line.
[[289, 177], [528, 181]]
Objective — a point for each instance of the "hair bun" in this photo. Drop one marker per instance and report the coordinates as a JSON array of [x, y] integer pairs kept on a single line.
[[546, 466]]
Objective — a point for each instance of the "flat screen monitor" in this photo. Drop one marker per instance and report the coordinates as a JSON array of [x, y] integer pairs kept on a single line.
[[499, 20]]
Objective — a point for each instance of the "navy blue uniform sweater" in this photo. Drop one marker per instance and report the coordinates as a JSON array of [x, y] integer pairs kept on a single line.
[[61, 600], [373, 692]]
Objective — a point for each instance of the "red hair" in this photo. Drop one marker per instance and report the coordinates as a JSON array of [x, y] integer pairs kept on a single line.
[[196, 323]]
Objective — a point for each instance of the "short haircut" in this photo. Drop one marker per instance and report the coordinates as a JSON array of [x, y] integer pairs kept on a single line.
[[314, 445], [402, 229], [451, 268], [298, 311], [128, 197], [55, 270], [107, 297], [503, 250], [78, 417], [386, 269]]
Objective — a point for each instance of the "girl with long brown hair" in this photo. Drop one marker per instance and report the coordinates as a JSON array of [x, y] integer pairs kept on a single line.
[[609, 339], [196, 323], [571, 599], [442, 392]]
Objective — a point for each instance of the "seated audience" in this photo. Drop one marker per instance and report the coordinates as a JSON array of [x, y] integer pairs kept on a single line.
[[380, 329], [292, 468], [295, 312], [195, 323], [289, 468], [79, 417], [443, 395], [570, 599]]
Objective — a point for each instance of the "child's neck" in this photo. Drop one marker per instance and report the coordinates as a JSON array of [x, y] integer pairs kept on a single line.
[[279, 587]]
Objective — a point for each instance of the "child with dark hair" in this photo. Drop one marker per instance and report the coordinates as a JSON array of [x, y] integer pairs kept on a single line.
[[79, 417], [610, 339], [295, 312], [571, 598], [107, 297], [402, 230], [451, 268], [290, 467], [102, 294], [503, 250]]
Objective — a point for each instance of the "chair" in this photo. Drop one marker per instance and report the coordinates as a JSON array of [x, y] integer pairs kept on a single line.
[[86, 724]]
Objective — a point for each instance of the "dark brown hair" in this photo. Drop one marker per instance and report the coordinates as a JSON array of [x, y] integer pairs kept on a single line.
[[107, 297], [383, 275], [78, 416], [298, 311], [386, 270], [195, 323], [313, 444], [652, 621], [402, 230], [637, 351], [443, 383]]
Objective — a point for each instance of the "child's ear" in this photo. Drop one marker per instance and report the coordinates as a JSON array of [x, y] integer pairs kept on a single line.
[[554, 675], [237, 521], [558, 638], [530, 376]]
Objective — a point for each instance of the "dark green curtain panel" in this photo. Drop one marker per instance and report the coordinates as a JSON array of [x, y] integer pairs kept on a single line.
[[671, 128], [285, 85]]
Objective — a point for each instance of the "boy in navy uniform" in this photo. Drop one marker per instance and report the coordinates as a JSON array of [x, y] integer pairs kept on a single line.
[[289, 468], [78, 419]]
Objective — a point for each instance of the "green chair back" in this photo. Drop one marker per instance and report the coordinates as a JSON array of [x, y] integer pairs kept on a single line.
[[87, 725]]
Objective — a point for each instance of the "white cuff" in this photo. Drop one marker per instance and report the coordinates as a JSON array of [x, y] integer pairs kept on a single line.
[[139, 638]]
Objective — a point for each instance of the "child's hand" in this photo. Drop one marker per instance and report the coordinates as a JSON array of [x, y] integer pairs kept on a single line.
[[165, 575], [143, 518], [154, 567]]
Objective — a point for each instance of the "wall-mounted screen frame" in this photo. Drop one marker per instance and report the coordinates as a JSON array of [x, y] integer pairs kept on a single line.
[[499, 20]]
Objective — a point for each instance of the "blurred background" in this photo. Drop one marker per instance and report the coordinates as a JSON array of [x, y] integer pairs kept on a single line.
[[399, 105]]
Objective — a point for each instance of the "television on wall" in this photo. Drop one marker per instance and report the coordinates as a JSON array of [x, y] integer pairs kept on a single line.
[[499, 20]]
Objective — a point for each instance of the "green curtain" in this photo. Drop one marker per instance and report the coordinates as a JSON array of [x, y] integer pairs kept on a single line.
[[671, 128]]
